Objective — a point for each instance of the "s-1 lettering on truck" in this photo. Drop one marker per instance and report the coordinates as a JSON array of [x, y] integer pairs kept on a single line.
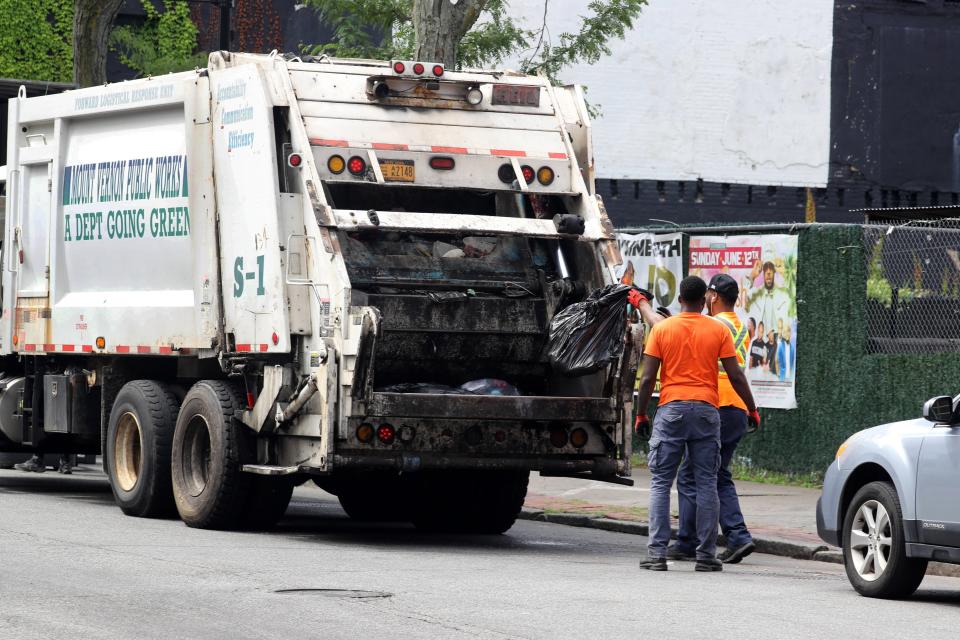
[[227, 281]]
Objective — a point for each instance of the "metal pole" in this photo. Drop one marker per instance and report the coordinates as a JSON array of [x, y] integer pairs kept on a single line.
[[225, 24]]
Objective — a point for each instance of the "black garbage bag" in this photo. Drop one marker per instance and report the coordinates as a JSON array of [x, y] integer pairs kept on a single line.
[[588, 335], [425, 387]]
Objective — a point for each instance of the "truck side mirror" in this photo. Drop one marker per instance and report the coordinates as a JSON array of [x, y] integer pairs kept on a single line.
[[939, 410]]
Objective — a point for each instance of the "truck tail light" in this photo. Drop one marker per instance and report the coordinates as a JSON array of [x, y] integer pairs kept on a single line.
[[399, 67], [407, 434], [418, 68], [545, 175], [579, 437], [357, 166], [505, 173], [438, 70], [558, 437], [527, 172], [442, 163], [365, 433], [386, 434], [294, 160], [336, 165], [474, 96]]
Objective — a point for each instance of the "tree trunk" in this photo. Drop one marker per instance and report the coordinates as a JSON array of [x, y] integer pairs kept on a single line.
[[92, 22], [440, 25]]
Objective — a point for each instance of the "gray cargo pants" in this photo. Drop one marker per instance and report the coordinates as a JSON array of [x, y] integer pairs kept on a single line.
[[694, 428]]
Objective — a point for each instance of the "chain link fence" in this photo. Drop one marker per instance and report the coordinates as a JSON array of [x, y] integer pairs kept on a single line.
[[913, 283]]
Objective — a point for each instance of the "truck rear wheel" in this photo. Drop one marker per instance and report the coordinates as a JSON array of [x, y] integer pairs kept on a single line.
[[485, 502], [210, 490], [375, 497], [139, 436], [268, 501]]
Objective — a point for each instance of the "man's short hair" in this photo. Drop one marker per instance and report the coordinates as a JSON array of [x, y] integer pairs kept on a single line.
[[769, 266], [692, 289]]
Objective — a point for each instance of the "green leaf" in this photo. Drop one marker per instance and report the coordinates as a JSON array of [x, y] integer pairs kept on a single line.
[[166, 41]]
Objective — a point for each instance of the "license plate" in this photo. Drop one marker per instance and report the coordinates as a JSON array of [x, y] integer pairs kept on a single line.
[[397, 170], [516, 95]]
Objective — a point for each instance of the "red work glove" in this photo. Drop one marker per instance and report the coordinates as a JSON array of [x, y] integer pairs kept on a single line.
[[753, 421], [636, 295], [642, 425]]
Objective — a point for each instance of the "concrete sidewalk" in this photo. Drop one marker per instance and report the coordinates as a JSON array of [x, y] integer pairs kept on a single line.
[[770, 510], [781, 519]]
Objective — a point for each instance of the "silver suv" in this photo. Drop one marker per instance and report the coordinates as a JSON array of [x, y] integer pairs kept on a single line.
[[890, 500]]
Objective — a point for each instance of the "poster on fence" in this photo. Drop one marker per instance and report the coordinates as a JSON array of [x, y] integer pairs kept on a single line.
[[765, 267], [657, 261]]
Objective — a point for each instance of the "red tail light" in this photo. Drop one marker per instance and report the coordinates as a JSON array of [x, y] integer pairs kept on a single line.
[[418, 68], [438, 70], [558, 437], [398, 67], [386, 434], [357, 166], [528, 173], [442, 163], [294, 160]]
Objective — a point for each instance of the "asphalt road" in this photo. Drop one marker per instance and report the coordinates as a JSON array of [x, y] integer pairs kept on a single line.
[[73, 566]]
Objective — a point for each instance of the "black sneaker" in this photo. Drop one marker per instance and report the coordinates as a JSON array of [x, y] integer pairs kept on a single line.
[[734, 555], [710, 564], [675, 553], [654, 564]]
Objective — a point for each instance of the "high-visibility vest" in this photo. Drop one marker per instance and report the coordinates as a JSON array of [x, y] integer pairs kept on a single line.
[[740, 342]]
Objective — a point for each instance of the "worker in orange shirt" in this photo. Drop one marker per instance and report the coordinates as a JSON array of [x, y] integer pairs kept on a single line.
[[722, 295], [687, 350]]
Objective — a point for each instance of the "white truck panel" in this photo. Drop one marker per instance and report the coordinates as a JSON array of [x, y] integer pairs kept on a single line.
[[113, 235], [253, 289]]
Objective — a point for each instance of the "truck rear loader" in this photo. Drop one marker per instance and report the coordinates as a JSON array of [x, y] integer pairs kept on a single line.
[[278, 269]]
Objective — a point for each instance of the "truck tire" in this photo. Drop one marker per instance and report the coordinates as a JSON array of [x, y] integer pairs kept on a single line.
[[875, 555], [268, 501], [209, 445], [478, 502], [379, 497], [137, 452]]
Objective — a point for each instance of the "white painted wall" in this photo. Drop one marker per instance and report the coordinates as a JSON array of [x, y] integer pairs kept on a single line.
[[732, 91]]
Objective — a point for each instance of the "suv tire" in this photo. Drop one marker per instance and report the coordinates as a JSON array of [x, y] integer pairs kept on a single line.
[[874, 551]]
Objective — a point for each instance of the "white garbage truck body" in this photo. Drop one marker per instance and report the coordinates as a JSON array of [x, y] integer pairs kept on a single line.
[[233, 279]]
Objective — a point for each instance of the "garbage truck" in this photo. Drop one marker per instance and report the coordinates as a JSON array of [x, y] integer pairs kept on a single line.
[[276, 269]]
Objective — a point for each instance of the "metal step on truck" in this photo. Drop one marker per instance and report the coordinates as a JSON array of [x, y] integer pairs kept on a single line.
[[278, 269]]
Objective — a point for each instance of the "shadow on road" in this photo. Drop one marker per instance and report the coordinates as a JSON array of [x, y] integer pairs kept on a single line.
[[84, 485], [316, 517], [937, 597], [325, 521]]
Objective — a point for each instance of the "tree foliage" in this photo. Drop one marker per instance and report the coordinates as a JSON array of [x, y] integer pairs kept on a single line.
[[165, 42], [384, 29], [36, 40]]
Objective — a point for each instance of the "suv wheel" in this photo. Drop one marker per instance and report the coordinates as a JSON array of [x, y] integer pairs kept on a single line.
[[874, 553]]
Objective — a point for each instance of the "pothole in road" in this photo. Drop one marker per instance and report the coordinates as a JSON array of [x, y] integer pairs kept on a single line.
[[337, 593]]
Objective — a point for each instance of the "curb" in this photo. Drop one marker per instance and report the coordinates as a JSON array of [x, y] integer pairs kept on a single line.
[[770, 546]]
